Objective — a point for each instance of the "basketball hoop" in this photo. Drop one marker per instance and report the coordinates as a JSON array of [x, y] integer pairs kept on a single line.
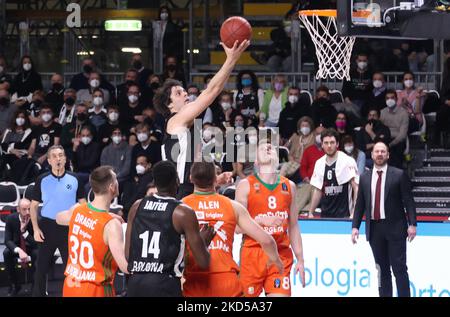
[[333, 51]]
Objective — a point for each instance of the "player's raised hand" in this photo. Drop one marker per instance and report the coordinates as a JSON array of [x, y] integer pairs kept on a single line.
[[300, 268], [207, 233], [235, 52]]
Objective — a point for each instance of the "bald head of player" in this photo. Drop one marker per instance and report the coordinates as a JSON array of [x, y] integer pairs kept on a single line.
[[203, 176], [165, 178]]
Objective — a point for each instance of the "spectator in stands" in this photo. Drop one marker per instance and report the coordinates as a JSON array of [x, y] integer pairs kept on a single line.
[[142, 72], [7, 110], [373, 131], [97, 114], [322, 111], [34, 107], [86, 95], [298, 142], [147, 146], [26, 81], [118, 155], [154, 82], [45, 135], [193, 92], [55, 96], [412, 100], [275, 100], [136, 187], [292, 112], [20, 244], [348, 145], [130, 77], [155, 121], [81, 80], [248, 97], [357, 90], [170, 33], [377, 94], [5, 79], [342, 126], [67, 112], [397, 58], [245, 164], [310, 155], [223, 117], [131, 111], [278, 55], [172, 70], [15, 142], [397, 120], [443, 114], [72, 130], [105, 131], [86, 155]]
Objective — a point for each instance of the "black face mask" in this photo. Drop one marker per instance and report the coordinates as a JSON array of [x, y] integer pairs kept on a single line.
[[87, 69], [57, 86], [37, 103], [82, 117], [373, 122], [137, 65], [171, 67], [4, 101], [323, 101], [70, 101], [154, 86], [129, 82]]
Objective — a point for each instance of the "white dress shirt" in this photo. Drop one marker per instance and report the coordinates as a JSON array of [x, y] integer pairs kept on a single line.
[[373, 189]]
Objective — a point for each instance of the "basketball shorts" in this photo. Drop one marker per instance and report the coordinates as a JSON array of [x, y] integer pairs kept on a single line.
[[87, 289], [225, 284], [255, 275], [153, 285]]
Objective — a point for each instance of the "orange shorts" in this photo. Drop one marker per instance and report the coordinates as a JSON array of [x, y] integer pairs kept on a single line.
[[87, 289], [225, 284], [256, 276]]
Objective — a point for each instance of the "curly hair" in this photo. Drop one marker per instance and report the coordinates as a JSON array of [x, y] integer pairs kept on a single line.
[[162, 100]]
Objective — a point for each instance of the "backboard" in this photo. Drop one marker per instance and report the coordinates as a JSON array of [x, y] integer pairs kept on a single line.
[[414, 19]]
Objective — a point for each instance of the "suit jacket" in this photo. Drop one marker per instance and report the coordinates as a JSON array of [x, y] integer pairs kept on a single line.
[[12, 233], [397, 199]]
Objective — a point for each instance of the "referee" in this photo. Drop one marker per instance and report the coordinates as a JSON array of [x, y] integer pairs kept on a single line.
[[58, 190]]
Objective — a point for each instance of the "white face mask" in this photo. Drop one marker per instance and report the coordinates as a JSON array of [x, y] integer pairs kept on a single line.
[[262, 116], [207, 135], [94, 83], [27, 66], [362, 65], [391, 103], [293, 99], [409, 83], [140, 169], [20, 121], [349, 149], [113, 116], [318, 139], [377, 83], [225, 106], [253, 139], [192, 97], [97, 101], [116, 139], [133, 98], [46, 117], [142, 137], [305, 130], [86, 140], [164, 16]]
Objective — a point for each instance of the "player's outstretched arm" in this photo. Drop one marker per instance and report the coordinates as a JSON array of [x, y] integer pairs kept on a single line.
[[63, 217], [295, 237], [185, 222], [113, 237], [130, 221], [252, 229], [187, 114]]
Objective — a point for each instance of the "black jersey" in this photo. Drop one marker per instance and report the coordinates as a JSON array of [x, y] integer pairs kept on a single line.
[[182, 148], [156, 247], [335, 199], [247, 104]]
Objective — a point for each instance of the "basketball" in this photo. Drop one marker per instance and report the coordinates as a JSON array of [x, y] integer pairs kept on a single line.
[[235, 29]]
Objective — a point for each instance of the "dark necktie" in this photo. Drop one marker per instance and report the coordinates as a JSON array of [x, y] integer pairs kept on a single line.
[[376, 208], [23, 245]]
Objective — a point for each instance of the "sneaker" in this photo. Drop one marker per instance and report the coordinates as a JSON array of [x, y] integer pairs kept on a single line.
[[14, 290]]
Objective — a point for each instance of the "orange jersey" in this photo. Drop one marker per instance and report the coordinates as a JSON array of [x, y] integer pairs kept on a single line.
[[90, 263], [217, 211], [270, 200]]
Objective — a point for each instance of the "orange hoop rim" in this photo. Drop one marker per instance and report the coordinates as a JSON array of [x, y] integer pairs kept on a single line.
[[320, 13]]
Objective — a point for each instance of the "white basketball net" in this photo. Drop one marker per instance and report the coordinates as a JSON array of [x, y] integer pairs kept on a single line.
[[333, 51]]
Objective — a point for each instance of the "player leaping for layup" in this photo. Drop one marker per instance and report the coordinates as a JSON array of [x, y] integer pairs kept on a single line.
[[269, 199]]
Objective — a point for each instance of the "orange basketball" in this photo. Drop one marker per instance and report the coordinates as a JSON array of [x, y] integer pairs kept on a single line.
[[235, 29]]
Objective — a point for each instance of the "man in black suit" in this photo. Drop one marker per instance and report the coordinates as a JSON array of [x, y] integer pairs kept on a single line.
[[19, 243], [384, 194]]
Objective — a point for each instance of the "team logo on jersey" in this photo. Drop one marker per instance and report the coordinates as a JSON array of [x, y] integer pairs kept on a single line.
[[284, 187], [256, 187], [277, 283], [75, 229], [69, 187], [251, 290], [200, 215]]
